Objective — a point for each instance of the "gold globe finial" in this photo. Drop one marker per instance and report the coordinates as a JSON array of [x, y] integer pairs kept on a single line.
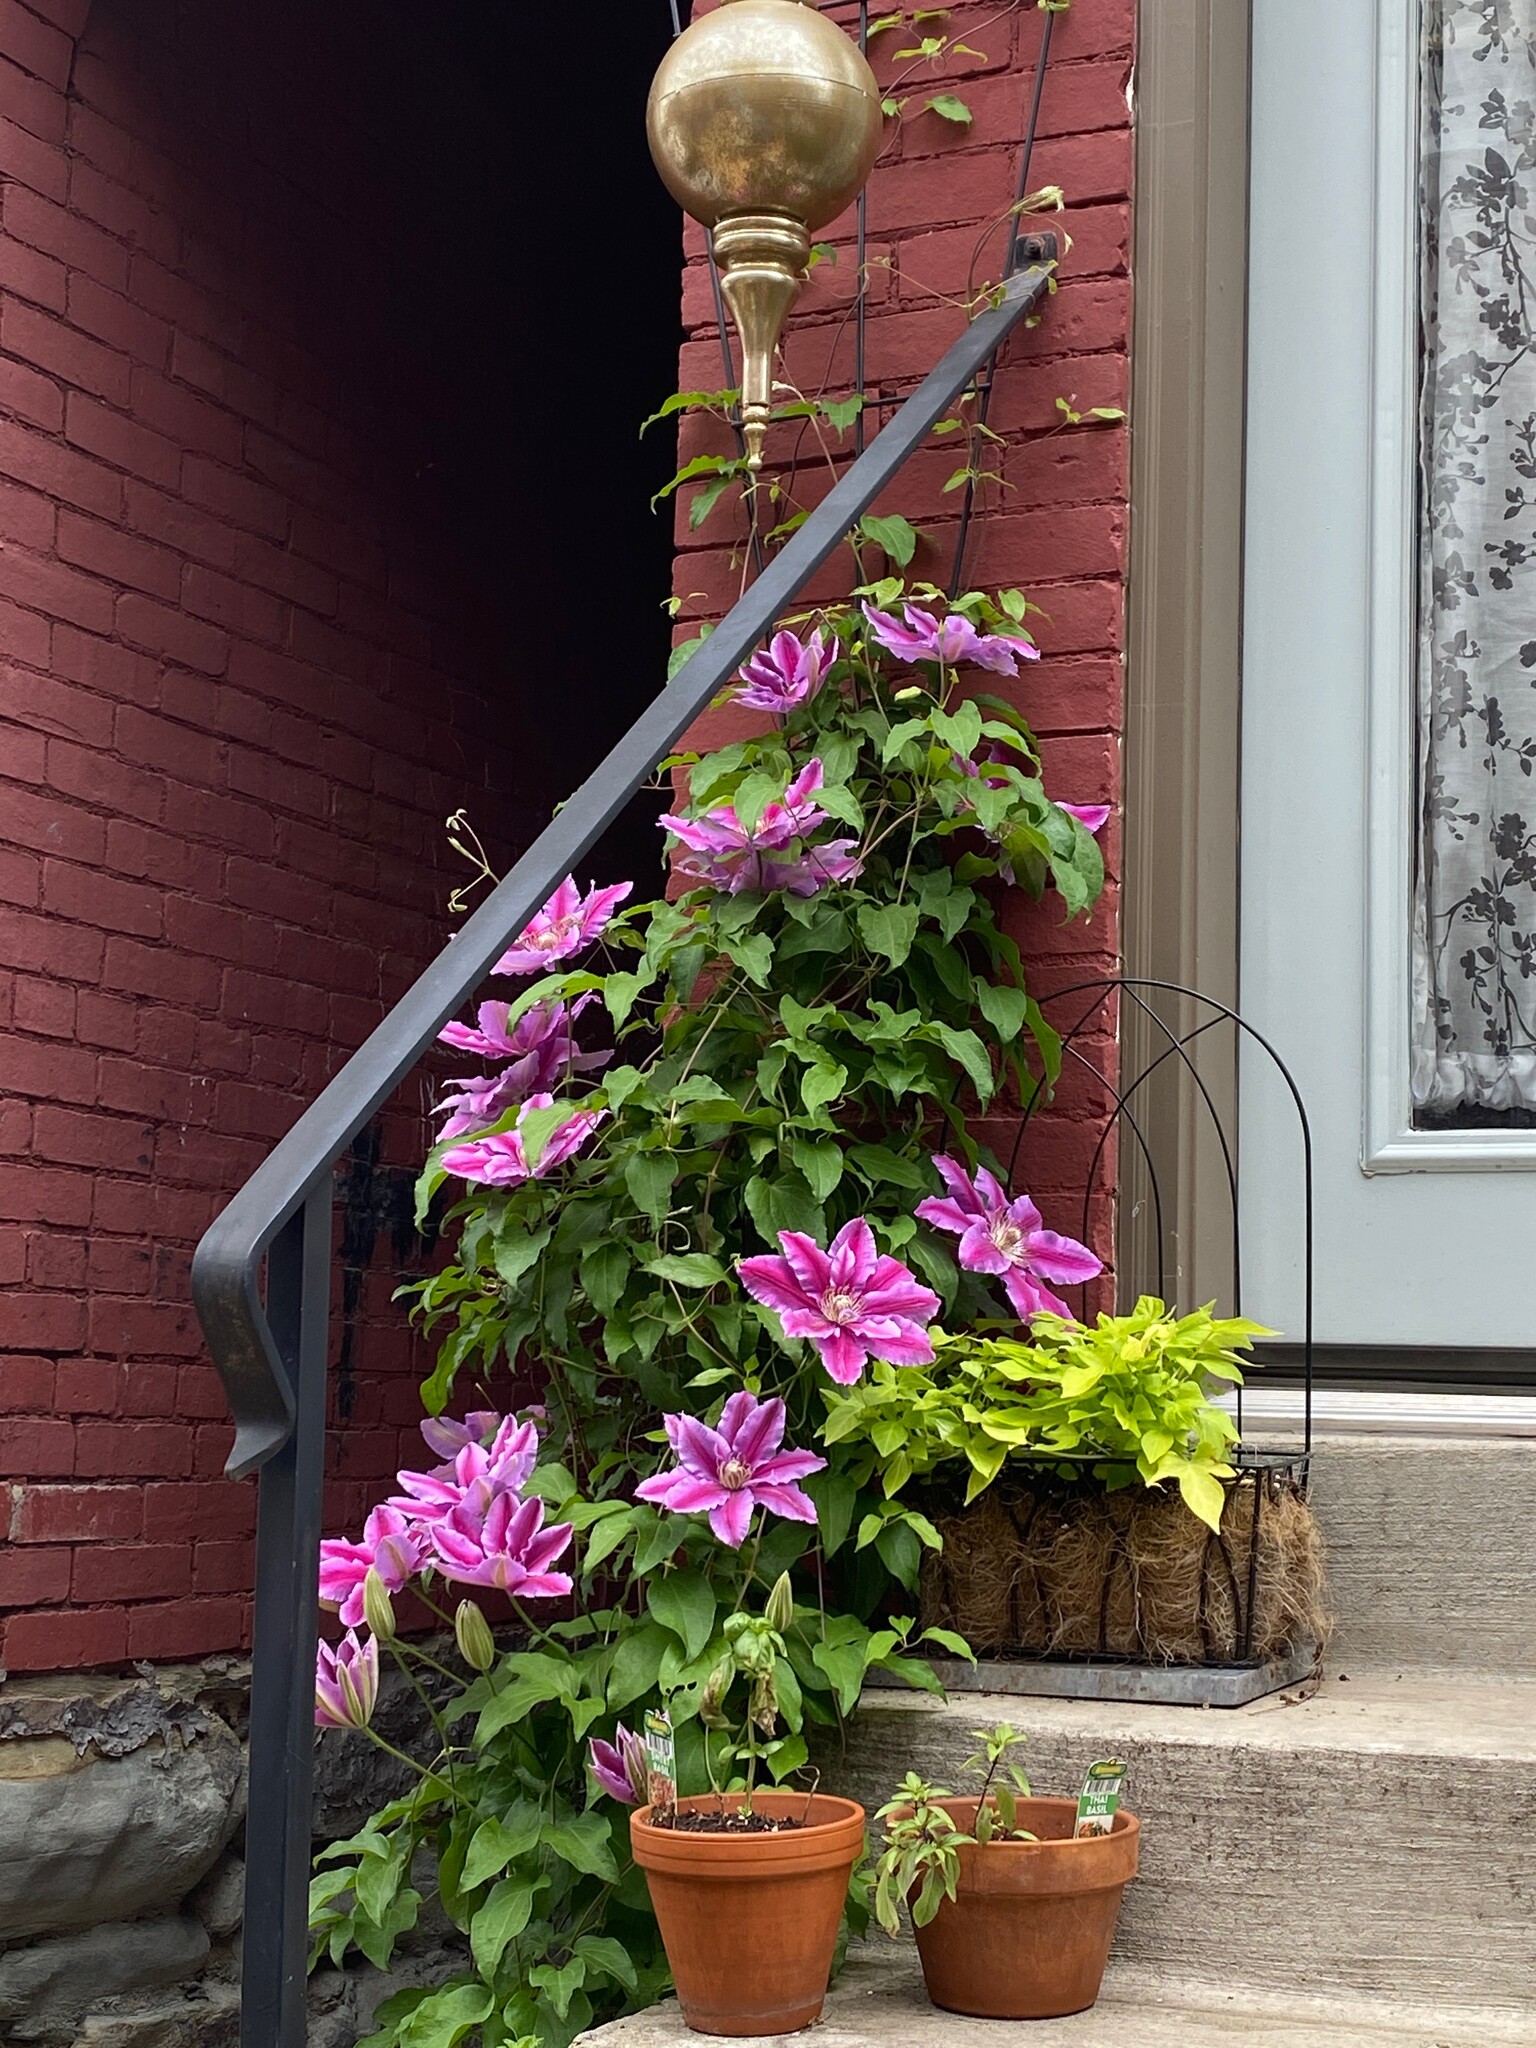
[[764, 121]]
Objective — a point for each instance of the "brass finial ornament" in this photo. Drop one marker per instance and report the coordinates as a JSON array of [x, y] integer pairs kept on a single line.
[[764, 120]]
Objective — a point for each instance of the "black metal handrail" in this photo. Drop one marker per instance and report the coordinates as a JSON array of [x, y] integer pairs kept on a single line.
[[270, 1343]]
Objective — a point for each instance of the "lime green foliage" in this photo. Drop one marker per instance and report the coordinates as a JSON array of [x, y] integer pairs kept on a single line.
[[1130, 1397], [920, 1865]]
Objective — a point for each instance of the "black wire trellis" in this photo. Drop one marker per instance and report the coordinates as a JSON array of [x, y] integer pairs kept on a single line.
[[987, 377], [1265, 1472]]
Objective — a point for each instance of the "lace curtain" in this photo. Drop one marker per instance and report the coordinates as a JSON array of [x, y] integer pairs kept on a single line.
[[1475, 914]]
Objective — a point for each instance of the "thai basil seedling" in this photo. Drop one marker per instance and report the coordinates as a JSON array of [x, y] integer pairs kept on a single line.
[[920, 1865]]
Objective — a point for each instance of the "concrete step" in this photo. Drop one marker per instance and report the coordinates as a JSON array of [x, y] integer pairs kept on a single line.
[[1430, 1548], [1377, 1839], [879, 2002]]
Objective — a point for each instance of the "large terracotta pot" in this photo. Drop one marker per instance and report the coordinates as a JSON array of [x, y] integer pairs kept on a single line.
[[1028, 1935], [750, 1921]]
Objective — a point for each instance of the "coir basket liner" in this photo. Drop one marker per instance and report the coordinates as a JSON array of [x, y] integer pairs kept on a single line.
[[1040, 1566]]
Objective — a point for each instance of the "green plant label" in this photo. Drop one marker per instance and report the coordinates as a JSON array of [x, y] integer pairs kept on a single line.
[[661, 1761], [1099, 1798]]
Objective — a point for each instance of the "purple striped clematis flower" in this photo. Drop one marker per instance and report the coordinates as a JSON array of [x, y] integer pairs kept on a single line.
[[951, 641], [477, 1472], [448, 1436], [725, 854], [1092, 817], [568, 922], [730, 1470], [541, 1047], [500, 1161], [851, 1301], [346, 1682], [1005, 1238], [391, 1546], [505, 1546], [621, 1766], [788, 672]]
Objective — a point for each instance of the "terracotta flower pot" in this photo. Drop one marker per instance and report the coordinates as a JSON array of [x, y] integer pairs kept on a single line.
[[1028, 1935], [750, 1921]]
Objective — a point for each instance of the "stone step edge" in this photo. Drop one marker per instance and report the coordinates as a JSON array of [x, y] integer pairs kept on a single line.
[[879, 2002]]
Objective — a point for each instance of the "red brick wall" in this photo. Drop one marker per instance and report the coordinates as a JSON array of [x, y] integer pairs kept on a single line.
[[938, 204], [240, 692]]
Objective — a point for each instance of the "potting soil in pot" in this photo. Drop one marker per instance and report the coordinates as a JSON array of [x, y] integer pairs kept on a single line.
[[1038, 1566]]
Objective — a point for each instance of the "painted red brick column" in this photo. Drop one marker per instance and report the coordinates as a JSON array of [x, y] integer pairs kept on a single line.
[[938, 209]]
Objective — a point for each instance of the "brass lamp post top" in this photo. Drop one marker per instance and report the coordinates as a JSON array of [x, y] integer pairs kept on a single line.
[[764, 106]]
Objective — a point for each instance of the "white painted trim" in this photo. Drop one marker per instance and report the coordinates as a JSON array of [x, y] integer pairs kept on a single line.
[[1390, 1144], [1340, 1413]]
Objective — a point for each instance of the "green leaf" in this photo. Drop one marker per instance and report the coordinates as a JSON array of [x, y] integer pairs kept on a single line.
[[584, 1841], [884, 1168], [688, 1269], [684, 1602], [888, 929], [821, 1161], [649, 1177], [444, 2017], [834, 1494], [897, 536], [604, 1270], [821, 1085], [517, 1251], [706, 498], [601, 1952], [692, 401], [502, 1918], [685, 650], [841, 412], [1203, 1495], [946, 105], [753, 954], [495, 1844], [637, 1661], [1004, 1008]]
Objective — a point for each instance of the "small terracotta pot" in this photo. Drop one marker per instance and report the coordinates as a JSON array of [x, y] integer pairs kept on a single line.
[[1029, 1933], [750, 1921]]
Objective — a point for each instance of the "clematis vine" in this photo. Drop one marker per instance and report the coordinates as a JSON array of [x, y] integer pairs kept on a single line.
[[725, 854], [568, 922], [500, 1160], [621, 1766], [950, 641], [852, 1301], [477, 1472], [729, 1471], [1005, 1238], [391, 1547], [541, 1047], [506, 1546], [787, 673], [346, 1682]]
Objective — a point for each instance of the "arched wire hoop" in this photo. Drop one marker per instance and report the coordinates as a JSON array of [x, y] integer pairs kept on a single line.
[[1210, 1015]]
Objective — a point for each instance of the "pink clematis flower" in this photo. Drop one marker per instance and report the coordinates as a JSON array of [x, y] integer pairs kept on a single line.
[[621, 1766], [346, 1682], [951, 641], [390, 1546], [477, 1472], [852, 1302], [506, 1546], [446, 1436], [541, 1047], [1092, 817], [1004, 1237], [724, 854], [500, 1161], [788, 672], [567, 922], [728, 1471]]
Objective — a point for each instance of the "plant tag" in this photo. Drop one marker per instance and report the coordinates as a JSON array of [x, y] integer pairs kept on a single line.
[[1099, 1798], [661, 1761]]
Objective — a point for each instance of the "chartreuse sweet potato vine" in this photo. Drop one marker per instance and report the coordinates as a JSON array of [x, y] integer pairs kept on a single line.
[[685, 1237]]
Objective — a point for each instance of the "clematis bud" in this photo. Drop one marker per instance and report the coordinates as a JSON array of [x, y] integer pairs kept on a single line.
[[765, 1702], [472, 1632], [378, 1608], [780, 1609]]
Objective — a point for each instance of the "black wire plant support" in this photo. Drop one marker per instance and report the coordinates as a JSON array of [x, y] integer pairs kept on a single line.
[[1262, 1472]]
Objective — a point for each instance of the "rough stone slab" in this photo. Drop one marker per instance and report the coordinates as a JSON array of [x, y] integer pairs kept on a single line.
[[60, 1978], [1430, 1542], [1378, 1839], [879, 2002]]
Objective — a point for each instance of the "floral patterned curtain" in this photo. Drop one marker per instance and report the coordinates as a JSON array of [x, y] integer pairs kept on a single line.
[[1475, 926]]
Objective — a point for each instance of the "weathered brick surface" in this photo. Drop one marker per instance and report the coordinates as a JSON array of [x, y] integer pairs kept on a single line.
[[938, 210], [241, 685]]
